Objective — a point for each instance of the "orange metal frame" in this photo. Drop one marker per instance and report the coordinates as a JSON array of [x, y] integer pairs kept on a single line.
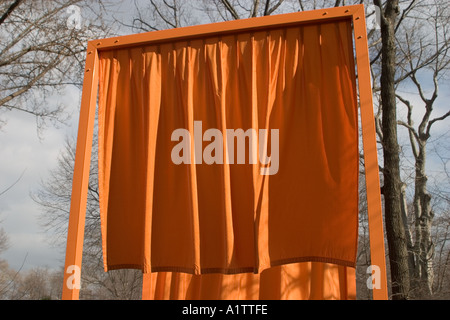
[[356, 13]]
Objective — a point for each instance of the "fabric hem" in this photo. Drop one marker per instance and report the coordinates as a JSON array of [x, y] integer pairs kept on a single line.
[[339, 262], [230, 271]]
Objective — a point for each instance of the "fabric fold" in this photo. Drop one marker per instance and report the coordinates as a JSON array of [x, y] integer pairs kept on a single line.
[[152, 95]]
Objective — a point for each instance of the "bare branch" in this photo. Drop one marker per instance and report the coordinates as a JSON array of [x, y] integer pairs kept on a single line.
[[268, 11], [431, 122], [274, 7], [230, 9], [419, 87], [9, 10], [411, 128], [266, 8], [413, 135], [405, 14], [156, 8], [255, 8], [378, 126], [12, 185], [31, 83]]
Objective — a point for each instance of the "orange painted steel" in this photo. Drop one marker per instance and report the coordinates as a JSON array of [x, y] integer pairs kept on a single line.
[[376, 233], [87, 114], [80, 182]]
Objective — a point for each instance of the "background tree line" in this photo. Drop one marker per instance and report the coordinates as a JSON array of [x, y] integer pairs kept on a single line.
[[409, 63]]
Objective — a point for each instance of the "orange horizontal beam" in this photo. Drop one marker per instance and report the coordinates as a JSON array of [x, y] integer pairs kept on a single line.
[[220, 28]]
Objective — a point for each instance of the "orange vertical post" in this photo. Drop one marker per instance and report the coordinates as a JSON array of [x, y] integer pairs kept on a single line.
[[376, 233], [75, 236]]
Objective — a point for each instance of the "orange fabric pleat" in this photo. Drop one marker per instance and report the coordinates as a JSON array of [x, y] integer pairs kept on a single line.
[[224, 225]]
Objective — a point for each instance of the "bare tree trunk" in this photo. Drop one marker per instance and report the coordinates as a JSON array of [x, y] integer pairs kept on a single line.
[[396, 238], [409, 237], [424, 217]]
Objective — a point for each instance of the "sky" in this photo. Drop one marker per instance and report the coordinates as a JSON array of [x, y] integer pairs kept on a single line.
[[26, 156], [23, 154]]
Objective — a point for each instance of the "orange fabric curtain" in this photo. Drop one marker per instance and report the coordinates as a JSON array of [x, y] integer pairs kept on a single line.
[[195, 218]]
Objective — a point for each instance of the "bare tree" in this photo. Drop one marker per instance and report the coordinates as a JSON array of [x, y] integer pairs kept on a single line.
[[398, 254], [163, 14], [7, 280], [418, 45], [4, 241], [54, 198], [42, 45], [4, 268], [441, 263], [235, 9]]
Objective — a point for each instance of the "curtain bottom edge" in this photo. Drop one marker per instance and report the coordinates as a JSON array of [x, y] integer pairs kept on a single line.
[[230, 271]]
